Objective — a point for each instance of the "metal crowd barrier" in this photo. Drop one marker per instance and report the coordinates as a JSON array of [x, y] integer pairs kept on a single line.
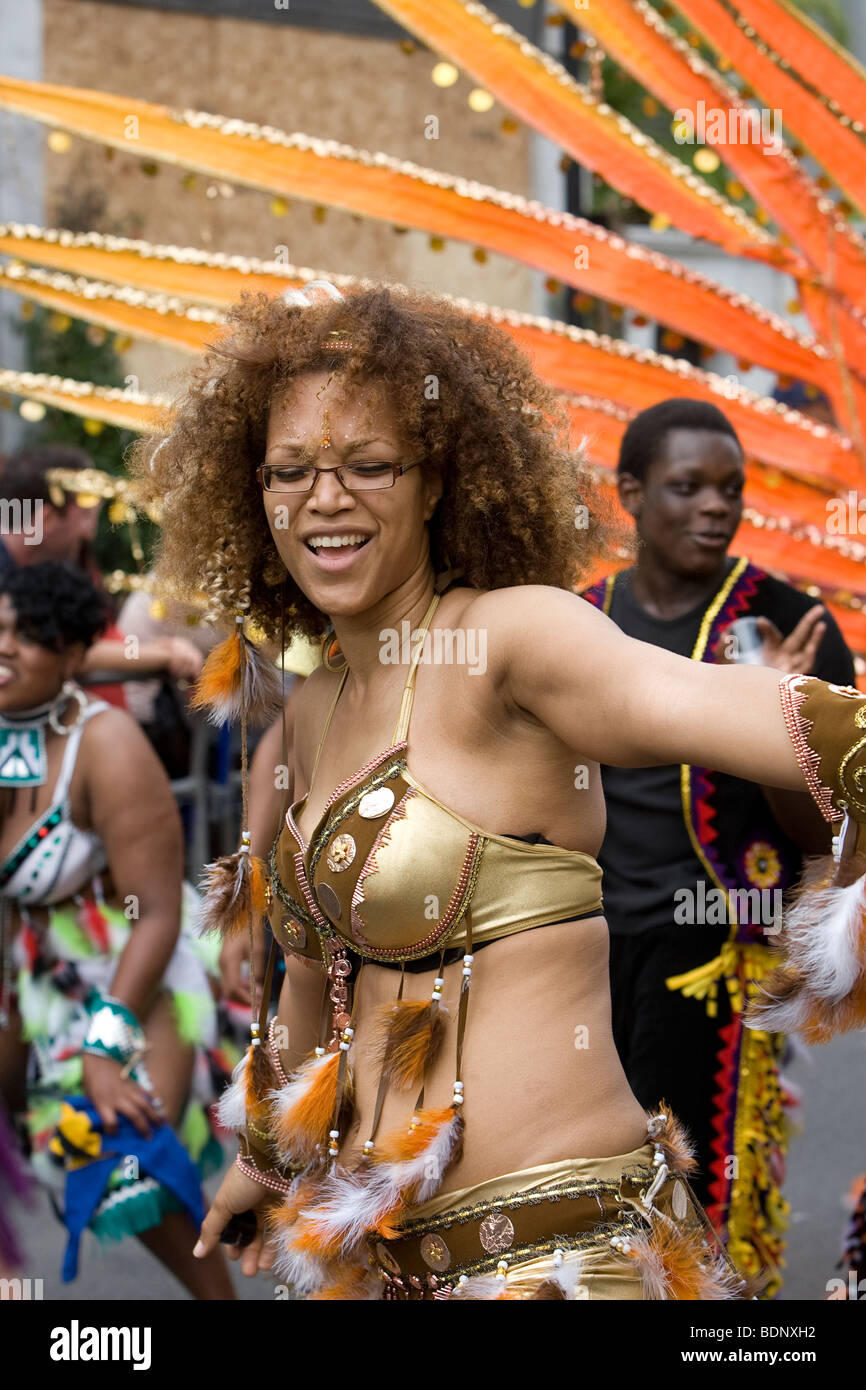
[[211, 799]]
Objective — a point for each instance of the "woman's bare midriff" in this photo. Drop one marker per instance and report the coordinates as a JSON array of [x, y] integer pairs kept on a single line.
[[543, 1080]]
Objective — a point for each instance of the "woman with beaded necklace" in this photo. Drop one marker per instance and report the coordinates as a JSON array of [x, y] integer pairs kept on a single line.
[[94, 974]]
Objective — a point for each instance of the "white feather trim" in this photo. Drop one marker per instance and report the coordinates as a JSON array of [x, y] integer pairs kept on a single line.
[[285, 1099], [480, 1286], [304, 1272], [232, 1107], [823, 938], [348, 1206], [569, 1274], [783, 1016], [428, 1169]]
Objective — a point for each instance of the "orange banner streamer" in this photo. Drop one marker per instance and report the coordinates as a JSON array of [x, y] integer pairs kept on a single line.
[[634, 33], [127, 409], [565, 356], [824, 63], [574, 251], [835, 146], [537, 87], [157, 325]]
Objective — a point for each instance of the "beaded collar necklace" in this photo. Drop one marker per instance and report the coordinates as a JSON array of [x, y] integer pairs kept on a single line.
[[23, 761]]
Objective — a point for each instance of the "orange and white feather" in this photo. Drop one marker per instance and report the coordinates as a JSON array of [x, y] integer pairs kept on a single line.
[[820, 988], [348, 1206], [232, 1105], [302, 1111]]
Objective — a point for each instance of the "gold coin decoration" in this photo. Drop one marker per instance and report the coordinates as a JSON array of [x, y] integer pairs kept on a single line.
[[329, 900], [295, 933], [386, 1259], [341, 852], [496, 1233], [435, 1253]]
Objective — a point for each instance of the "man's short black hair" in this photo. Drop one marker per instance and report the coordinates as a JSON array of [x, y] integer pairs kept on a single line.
[[23, 474], [56, 605], [643, 442]]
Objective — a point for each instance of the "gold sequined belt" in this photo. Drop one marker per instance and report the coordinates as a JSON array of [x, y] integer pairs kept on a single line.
[[429, 1256]]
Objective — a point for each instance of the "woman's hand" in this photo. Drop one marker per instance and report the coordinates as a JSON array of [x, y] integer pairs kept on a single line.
[[239, 1193], [114, 1094]]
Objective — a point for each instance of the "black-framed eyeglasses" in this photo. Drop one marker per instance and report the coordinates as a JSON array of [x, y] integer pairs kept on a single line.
[[354, 477]]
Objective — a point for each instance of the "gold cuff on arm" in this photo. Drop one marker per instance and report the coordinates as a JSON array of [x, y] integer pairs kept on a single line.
[[821, 988]]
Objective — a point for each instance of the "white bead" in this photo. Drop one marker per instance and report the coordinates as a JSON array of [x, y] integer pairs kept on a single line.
[[467, 960], [467, 972], [333, 1134], [344, 1046], [320, 1052], [458, 1085], [457, 1099], [438, 983]]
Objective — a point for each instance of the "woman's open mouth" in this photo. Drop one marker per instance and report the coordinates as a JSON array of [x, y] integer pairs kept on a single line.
[[336, 552]]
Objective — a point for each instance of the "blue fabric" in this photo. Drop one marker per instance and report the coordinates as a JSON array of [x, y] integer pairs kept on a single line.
[[161, 1157]]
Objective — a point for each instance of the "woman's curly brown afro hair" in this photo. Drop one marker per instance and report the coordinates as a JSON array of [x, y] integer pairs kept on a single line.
[[464, 395]]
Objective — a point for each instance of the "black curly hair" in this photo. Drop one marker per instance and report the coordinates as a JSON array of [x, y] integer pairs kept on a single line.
[[644, 441], [56, 605]]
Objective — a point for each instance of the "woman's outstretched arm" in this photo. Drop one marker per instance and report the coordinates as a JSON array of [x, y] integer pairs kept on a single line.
[[630, 704]]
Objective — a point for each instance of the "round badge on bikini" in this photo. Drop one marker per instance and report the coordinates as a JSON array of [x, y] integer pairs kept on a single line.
[[341, 852], [295, 933], [435, 1253], [375, 804], [386, 1259], [496, 1233], [329, 900]]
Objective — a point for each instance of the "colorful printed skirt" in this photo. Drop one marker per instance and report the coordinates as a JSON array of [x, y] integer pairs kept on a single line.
[[56, 967]]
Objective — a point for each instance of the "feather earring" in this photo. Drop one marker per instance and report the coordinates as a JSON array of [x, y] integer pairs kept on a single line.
[[236, 678], [236, 684]]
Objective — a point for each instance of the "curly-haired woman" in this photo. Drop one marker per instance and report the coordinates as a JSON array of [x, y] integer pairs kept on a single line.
[[97, 985], [439, 1110]]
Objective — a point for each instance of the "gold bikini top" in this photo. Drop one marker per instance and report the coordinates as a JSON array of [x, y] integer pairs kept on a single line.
[[391, 872]]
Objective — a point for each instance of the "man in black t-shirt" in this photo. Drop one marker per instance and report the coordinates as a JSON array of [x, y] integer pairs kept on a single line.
[[695, 862]]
